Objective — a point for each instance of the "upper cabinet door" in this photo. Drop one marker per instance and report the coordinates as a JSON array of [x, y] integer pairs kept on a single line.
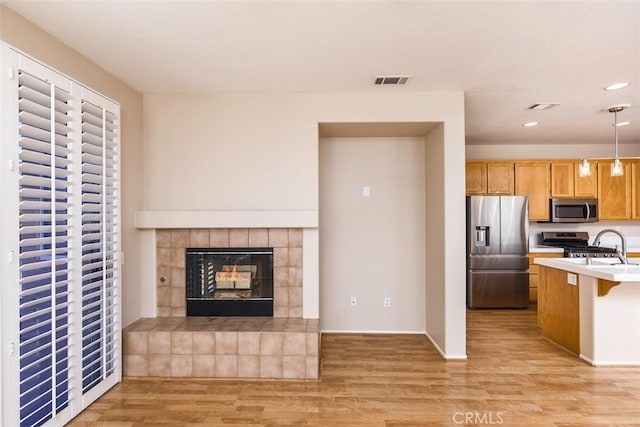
[[533, 180], [562, 179], [635, 189], [500, 178], [586, 186], [614, 192], [476, 177]]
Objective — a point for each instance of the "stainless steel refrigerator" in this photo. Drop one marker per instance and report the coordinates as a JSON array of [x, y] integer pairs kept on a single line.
[[497, 247]]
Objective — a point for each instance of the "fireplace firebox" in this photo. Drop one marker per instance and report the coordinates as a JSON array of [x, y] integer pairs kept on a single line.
[[229, 281]]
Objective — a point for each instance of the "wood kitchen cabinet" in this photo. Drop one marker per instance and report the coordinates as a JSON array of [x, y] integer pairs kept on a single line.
[[562, 179], [585, 186], [534, 270], [614, 192], [619, 197], [500, 178], [493, 177], [567, 182], [476, 177], [635, 189], [533, 179], [558, 308]]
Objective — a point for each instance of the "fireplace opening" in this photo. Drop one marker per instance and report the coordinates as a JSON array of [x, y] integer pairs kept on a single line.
[[229, 281]]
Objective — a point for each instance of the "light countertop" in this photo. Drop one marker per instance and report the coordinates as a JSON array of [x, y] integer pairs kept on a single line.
[[601, 268], [541, 249]]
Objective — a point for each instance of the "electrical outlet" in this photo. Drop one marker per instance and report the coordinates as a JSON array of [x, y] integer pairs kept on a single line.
[[354, 302], [387, 302], [572, 279]]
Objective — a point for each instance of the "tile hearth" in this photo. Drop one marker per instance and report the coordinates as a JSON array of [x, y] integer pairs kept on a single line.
[[231, 347]]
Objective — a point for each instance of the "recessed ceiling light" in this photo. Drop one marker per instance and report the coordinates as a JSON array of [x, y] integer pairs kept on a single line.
[[617, 86], [618, 107], [622, 124], [529, 124]]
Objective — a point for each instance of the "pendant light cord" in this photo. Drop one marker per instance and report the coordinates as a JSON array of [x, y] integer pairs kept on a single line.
[[615, 129]]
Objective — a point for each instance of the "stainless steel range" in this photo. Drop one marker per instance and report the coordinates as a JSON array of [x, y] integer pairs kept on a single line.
[[576, 244]]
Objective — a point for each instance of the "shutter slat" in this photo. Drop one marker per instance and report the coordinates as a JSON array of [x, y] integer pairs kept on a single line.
[[35, 169], [43, 135], [41, 194], [92, 140], [44, 111], [92, 159], [43, 123], [42, 146], [88, 107], [29, 218]]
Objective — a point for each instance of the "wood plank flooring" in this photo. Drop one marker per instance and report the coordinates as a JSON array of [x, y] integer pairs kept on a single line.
[[512, 377]]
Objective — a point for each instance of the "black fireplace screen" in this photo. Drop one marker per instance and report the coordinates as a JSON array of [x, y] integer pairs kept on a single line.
[[229, 281]]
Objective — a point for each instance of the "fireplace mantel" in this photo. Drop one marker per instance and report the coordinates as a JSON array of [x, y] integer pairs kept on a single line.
[[149, 219]]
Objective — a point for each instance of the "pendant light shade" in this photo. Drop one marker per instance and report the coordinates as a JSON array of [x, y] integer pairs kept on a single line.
[[584, 169], [617, 169]]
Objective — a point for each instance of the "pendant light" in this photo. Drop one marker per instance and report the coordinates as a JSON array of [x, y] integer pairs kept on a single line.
[[617, 168], [584, 168]]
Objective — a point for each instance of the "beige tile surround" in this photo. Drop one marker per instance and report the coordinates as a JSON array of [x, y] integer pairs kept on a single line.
[[173, 345], [287, 263], [232, 347]]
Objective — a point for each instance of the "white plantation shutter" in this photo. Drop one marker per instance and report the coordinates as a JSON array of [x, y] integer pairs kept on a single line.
[[44, 240], [61, 282], [100, 243]]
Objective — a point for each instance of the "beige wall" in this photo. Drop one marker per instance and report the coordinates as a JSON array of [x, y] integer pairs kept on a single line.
[[547, 151], [21, 34], [229, 152], [259, 152], [446, 293], [435, 232], [372, 247]]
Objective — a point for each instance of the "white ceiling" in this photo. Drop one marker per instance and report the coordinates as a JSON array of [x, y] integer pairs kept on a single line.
[[505, 55]]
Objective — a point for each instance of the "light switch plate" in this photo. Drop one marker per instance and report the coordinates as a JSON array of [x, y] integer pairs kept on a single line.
[[366, 191]]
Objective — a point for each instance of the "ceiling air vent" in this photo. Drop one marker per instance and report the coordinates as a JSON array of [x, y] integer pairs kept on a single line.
[[391, 80], [543, 106]]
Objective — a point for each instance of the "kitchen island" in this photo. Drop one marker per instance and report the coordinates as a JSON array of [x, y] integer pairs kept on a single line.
[[592, 310]]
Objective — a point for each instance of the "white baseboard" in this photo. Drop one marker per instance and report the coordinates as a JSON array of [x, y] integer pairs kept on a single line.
[[369, 331], [609, 363], [442, 353]]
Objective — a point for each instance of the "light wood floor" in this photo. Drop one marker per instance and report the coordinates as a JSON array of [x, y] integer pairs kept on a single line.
[[513, 377]]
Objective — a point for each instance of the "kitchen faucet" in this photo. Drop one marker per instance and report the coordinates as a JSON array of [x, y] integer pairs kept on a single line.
[[622, 255]]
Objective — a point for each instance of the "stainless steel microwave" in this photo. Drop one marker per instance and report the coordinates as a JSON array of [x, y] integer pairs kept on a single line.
[[573, 210]]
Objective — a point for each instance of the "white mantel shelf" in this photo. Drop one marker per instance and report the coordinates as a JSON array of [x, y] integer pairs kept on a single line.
[[226, 219]]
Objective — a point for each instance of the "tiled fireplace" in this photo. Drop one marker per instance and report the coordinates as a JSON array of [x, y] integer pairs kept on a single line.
[[282, 346], [287, 263]]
